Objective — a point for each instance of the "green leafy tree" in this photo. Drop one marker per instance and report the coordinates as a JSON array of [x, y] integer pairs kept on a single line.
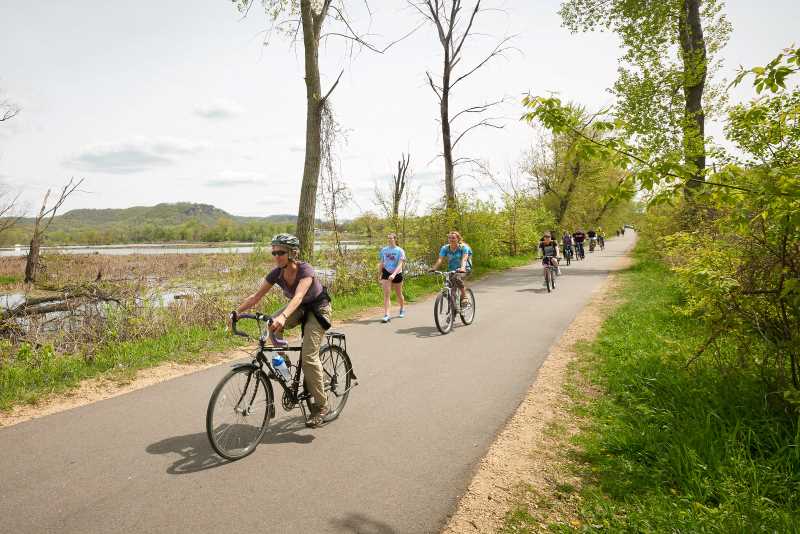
[[663, 87]]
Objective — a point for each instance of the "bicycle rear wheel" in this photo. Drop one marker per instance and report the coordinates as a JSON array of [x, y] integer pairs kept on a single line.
[[238, 412], [443, 313], [336, 377], [468, 315]]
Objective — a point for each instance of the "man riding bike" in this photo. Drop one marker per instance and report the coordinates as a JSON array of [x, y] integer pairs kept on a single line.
[[459, 259], [579, 237], [549, 248], [309, 305], [592, 235]]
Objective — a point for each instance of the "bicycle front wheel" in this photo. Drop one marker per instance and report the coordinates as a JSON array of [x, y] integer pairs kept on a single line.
[[336, 377], [443, 313], [238, 412], [547, 276], [552, 277], [468, 314]]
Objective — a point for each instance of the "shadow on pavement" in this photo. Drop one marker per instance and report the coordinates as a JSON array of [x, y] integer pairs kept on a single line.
[[420, 331], [355, 523], [366, 321], [197, 455], [537, 290]]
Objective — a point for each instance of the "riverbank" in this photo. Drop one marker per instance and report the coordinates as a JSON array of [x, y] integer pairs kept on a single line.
[[39, 381]]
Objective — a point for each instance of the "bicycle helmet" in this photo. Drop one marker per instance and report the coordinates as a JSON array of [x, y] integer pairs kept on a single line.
[[286, 240]]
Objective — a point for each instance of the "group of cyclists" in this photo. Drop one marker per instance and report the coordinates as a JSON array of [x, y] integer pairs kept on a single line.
[[309, 304]]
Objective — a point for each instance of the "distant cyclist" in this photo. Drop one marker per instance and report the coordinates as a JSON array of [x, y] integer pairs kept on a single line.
[[549, 248], [393, 259], [459, 259], [578, 238], [601, 238], [592, 235], [309, 305], [566, 245]]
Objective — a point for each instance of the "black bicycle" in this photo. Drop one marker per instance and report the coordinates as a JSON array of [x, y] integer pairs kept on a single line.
[[242, 404], [550, 273], [568, 253], [580, 253], [447, 304]]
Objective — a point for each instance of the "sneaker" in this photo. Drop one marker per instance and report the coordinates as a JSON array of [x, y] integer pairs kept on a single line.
[[386, 319], [465, 304], [402, 313], [558, 271], [316, 421]]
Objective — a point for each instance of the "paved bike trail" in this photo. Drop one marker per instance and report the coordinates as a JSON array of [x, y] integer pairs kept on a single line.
[[425, 412]]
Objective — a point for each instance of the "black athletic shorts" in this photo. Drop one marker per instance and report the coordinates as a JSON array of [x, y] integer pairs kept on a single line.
[[397, 279]]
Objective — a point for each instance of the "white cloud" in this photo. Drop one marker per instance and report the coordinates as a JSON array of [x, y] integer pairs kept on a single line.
[[219, 109], [228, 178], [134, 155]]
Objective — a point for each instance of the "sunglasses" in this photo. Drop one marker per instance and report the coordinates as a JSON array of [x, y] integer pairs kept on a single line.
[[279, 253]]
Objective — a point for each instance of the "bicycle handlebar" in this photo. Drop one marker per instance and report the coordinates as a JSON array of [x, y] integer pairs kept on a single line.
[[259, 317]]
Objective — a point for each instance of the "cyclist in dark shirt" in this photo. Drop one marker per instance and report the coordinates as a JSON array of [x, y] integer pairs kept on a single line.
[[309, 305], [592, 235], [549, 249], [579, 237]]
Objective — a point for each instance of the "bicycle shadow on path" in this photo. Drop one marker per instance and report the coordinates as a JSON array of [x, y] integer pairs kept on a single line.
[[356, 523], [197, 455], [423, 332], [537, 290]]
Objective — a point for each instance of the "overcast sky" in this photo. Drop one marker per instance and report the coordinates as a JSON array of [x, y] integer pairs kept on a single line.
[[165, 101]]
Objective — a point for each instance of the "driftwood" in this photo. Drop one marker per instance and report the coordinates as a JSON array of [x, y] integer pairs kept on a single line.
[[63, 299]]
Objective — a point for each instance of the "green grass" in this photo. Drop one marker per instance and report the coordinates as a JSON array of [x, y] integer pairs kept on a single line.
[[36, 373], [6, 279], [675, 449]]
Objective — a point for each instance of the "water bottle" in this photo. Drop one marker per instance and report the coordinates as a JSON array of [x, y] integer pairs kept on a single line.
[[280, 367]]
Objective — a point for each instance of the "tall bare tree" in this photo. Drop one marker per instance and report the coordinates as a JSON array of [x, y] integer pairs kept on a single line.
[[453, 31], [313, 14], [391, 199], [40, 225]]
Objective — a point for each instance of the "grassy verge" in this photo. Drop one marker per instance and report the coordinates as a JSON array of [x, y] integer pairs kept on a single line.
[[34, 374], [671, 448]]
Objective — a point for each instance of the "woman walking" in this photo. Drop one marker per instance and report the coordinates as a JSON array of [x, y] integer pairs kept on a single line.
[[393, 259]]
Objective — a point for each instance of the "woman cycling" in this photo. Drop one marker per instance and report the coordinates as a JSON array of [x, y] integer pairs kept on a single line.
[[309, 305], [459, 259], [549, 248], [392, 259]]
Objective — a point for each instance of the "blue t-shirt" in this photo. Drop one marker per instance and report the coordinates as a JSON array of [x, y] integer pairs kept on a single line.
[[391, 256], [454, 256]]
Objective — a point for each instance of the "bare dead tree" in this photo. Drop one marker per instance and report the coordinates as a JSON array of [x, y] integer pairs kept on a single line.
[[42, 223], [313, 15], [334, 194], [453, 30], [389, 200], [8, 211], [8, 110]]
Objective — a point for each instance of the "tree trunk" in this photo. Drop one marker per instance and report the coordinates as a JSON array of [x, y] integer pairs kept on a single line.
[[306, 212], [563, 202], [447, 152], [32, 262], [693, 53]]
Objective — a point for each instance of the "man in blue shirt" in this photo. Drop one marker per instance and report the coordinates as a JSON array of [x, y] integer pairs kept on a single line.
[[459, 259]]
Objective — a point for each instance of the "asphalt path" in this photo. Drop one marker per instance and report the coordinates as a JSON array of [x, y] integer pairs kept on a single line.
[[426, 410]]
